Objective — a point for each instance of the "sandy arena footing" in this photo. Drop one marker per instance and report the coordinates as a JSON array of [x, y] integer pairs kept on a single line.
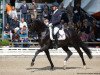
[[20, 65]]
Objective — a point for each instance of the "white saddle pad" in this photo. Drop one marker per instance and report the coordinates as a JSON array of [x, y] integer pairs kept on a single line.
[[61, 35]]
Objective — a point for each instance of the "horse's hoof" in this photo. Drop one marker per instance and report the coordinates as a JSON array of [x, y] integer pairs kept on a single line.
[[52, 68], [64, 67], [32, 63], [84, 67]]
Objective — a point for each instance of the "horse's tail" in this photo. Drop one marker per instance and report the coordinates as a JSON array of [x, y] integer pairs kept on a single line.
[[86, 50]]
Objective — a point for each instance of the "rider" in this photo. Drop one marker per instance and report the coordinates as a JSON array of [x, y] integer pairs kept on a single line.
[[55, 21]]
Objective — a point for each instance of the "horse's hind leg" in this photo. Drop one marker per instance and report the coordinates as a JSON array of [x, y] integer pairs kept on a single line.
[[81, 55], [49, 58], [69, 53]]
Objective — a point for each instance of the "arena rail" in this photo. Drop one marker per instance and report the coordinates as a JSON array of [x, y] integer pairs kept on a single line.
[[31, 51]]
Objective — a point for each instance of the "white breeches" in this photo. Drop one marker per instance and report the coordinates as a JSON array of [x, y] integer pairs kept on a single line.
[[50, 29], [56, 29]]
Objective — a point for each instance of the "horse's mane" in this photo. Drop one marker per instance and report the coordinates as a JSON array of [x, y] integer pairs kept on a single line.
[[40, 24]]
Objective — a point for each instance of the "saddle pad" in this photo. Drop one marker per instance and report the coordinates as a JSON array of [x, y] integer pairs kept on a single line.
[[62, 35]]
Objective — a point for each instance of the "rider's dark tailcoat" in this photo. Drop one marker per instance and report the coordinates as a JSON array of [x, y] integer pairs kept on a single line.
[[56, 18]]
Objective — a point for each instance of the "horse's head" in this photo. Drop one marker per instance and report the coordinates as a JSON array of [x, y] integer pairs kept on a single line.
[[37, 26], [32, 26]]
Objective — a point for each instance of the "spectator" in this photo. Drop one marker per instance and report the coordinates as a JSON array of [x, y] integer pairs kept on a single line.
[[85, 29], [45, 14], [23, 23], [24, 32], [15, 23], [69, 10], [13, 13], [7, 31], [77, 13], [61, 6], [91, 37], [70, 24], [34, 10], [24, 36], [8, 10], [97, 33], [64, 18], [94, 28], [24, 10], [12, 2], [84, 37], [45, 6], [15, 37]]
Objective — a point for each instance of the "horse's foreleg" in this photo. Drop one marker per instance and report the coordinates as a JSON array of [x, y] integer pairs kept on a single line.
[[49, 58], [36, 53], [69, 53]]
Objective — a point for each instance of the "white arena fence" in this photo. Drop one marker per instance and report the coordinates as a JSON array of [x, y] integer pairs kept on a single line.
[[31, 51]]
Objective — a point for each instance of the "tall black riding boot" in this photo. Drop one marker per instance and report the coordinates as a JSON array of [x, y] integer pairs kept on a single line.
[[55, 41]]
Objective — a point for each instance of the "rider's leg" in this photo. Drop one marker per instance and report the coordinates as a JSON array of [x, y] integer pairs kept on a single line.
[[56, 29], [56, 41]]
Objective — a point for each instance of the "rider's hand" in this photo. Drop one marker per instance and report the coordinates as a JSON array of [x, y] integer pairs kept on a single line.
[[50, 25]]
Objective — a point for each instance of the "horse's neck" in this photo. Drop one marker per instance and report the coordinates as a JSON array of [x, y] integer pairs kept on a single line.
[[40, 34], [40, 31], [43, 35]]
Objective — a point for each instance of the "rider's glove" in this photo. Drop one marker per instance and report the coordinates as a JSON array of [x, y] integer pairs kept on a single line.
[[50, 25]]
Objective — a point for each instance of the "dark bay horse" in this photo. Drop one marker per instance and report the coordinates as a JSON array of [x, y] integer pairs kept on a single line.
[[72, 39]]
